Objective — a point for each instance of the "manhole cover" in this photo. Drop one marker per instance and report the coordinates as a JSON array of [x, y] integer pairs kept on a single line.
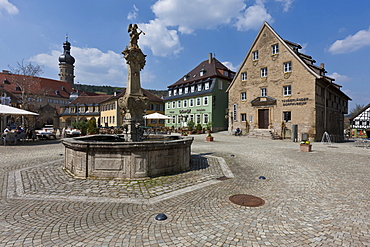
[[247, 200]]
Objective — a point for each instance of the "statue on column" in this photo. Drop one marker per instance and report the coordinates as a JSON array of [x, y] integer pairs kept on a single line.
[[133, 103]]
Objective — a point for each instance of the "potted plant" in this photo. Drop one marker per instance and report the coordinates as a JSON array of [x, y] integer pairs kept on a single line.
[[209, 138], [191, 125], [208, 127], [199, 128], [305, 146]]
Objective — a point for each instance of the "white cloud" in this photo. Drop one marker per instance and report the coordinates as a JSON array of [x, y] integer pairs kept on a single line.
[[351, 43], [253, 17], [340, 78], [92, 67], [190, 15], [159, 39], [8, 7], [230, 66], [286, 3], [133, 13]]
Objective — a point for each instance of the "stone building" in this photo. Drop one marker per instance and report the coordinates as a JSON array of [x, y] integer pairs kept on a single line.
[[66, 67], [200, 96], [280, 90]]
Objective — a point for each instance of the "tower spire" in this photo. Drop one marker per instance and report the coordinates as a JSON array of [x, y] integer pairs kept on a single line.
[[66, 61]]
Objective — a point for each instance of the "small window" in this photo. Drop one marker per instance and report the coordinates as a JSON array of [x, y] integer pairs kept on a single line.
[[173, 119], [206, 86], [180, 91], [191, 102], [287, 116], [185, 103], [264, 72], [202, 72], [198, 101], [243, 117], [179, 104], [244, 76], [191, 118], [235, 111], [275, 49], [205, 118], [220, 85], [198, 118], [287, 67], [243, 96], [186, 90], [168, 105], [192, 89], [263, 92], [226, 73], [205, 100], [287, 90], [173, 104], [199, 87], [255, 55], [175, 92]]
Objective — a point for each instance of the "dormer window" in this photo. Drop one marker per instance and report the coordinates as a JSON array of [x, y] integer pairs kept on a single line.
[[186, 89], [199, 87], [186, 77], [6, 81], [57, 92], [175, 92], [202, 72], [226, 73], [192, 89], [206, 86], [18, 88], [180, 91], [169, 92]]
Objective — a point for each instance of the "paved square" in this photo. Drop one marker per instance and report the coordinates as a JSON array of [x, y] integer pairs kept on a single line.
[[311, 199]]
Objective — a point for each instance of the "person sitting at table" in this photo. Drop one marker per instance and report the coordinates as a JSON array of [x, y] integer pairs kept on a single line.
[[7, 129], [20, 130]]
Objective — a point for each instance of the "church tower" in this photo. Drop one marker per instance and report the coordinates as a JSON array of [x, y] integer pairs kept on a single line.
[[66, 67]]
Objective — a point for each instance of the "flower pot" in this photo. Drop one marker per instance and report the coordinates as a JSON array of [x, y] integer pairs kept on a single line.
[[305, 147], [209, 138]]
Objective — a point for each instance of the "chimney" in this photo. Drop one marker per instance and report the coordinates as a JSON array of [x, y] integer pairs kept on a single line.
[[322, 65], [210, 58]]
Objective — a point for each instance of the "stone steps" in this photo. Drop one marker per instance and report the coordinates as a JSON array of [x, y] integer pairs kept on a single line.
[[263, 134]]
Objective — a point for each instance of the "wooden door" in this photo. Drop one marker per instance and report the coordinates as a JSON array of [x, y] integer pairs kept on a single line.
[[263, 118]]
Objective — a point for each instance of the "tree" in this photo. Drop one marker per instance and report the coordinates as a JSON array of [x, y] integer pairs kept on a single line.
[[355, 110], [25, 77]]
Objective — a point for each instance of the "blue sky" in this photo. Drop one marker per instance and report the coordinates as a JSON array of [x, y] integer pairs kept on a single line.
[[180, 34]]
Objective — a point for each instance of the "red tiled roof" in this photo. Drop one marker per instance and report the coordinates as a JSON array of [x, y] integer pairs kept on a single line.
[[36, 85], [151, 97], [89, 100]]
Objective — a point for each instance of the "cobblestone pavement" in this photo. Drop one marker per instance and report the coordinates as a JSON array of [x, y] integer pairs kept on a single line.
[[319, 198]]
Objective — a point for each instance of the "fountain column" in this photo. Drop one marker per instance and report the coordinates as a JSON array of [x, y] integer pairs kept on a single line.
[[133, 103]]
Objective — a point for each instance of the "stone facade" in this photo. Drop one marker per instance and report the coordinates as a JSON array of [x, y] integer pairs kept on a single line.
[[278, 88]]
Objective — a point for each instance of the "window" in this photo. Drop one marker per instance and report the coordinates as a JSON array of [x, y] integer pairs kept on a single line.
[[244, 76], [185, 103], [243, 117], [275, 49], [198, 101], [243, 96], [179, 104], [191, 102], [235, 111], [186, 90], [173, 119], [226, 73], [191, 118], [255, 55], [287, 67], [180, 91], [169, 92], [287, 116], [287, 90], [220, 85], [168, 105], [175, 92], [206, 86], [173, 104], [199, 87], [205, 100], [264, 72], [192, 89], [198, 118], [205, 118], [263, 92], [202, 72]]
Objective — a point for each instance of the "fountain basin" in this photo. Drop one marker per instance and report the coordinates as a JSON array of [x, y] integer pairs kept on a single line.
[[110, 157]]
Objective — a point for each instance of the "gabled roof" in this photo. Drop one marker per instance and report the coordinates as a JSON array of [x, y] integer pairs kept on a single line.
[[212, 68], [151, 97], [89, 100], [359, 113], [304, 59], [37, 85]]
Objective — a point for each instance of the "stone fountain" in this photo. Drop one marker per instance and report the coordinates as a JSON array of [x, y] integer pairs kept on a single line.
[[130, 156]]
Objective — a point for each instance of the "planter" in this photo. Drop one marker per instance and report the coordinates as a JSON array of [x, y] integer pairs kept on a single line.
[[199, 132], [190, 132], [305, 147], [209, 138]]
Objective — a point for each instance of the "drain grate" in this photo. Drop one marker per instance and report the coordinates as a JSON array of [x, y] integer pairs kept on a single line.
[[246, 200]]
